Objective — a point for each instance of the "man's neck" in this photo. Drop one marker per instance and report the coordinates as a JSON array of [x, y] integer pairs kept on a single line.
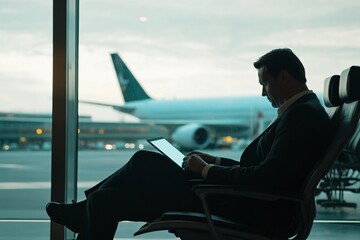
[[291, 100], [296, 90]]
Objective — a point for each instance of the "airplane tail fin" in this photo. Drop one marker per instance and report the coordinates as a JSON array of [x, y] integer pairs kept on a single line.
[[130, 87]]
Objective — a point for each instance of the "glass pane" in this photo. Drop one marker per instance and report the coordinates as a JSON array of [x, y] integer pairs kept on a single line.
[[194, 50], [25, 117]]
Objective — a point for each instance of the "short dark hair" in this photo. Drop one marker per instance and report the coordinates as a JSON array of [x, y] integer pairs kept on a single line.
[[282, 59]]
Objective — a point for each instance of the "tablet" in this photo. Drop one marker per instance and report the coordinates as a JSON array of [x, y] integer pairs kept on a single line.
[[166, 148]]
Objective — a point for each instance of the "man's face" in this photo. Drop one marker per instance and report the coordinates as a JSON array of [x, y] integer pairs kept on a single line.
[[270, 87]]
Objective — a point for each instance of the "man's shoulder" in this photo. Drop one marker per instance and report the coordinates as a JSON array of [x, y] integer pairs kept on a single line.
[[308, 103], [310, 99], [307, 110]]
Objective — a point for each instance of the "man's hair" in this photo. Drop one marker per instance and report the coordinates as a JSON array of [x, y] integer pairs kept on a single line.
[[282, 59]]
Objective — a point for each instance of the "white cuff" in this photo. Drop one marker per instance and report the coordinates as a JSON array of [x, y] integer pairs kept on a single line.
[[205, 170], [218, 160]]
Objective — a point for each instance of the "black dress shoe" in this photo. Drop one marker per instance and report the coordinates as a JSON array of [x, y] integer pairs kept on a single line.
[[64, 214]]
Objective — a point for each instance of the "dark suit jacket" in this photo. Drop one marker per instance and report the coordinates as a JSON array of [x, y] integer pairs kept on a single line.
[[281, 158]]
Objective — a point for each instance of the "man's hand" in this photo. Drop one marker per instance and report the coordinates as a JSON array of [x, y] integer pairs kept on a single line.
[[205, 157], [194, 163]]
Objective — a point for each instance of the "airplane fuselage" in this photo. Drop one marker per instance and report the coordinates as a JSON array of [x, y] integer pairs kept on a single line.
[[227, 109]]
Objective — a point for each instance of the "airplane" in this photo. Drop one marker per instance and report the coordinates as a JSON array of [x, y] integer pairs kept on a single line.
[[194, 123]]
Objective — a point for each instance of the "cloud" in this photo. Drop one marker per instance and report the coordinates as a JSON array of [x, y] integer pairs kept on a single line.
[[185, 48]]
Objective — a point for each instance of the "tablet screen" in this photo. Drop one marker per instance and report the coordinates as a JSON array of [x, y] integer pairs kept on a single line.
[[166, 148]]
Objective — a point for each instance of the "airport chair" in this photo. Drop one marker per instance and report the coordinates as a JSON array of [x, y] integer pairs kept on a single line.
[[205, 226], [345, 174], [331, 95], [333, 103]]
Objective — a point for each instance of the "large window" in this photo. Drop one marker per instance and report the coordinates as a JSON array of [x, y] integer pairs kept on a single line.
[[193, 50], [176, 50], [25, 117]]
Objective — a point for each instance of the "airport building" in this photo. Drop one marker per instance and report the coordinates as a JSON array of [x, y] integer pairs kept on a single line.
[[20, 131]]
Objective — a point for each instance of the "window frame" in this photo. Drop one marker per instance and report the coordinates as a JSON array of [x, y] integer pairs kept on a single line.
[[65, 108]]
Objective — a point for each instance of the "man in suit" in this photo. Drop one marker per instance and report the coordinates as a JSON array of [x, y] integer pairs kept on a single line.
[[278, 160]]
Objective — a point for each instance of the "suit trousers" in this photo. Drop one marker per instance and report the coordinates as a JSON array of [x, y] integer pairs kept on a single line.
[[145, 187]]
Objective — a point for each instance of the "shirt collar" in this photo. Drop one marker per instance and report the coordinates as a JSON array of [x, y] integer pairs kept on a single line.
[[291, 100]]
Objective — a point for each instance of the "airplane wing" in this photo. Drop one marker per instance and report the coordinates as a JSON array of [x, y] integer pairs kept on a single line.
[[121, 108]]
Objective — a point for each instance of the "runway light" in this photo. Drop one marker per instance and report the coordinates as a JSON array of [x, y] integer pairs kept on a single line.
[[101, 131], [6, 147], [78, 130], [228, 139], [23, 139], [110, 147], [39, 131], [129, 145]]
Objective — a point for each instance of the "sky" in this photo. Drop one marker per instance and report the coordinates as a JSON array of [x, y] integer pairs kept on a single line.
[[175, 48]]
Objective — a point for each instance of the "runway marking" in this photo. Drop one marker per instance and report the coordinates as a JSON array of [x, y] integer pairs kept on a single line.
[[24, 221], [38, 185], [13, 166]]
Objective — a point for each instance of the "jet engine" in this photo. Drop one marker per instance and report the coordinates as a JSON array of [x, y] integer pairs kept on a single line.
[[192, 136]]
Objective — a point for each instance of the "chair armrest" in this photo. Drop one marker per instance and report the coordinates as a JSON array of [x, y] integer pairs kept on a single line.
[[203, 190]]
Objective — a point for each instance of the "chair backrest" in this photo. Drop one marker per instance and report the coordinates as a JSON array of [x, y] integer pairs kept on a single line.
[[332, 97], [331, 91], [347, 120], [351, 153]]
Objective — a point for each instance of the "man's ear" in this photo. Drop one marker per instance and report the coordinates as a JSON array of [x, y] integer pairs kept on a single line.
[[284, 76]]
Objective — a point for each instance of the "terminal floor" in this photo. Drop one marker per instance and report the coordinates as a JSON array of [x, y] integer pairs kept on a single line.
[[39, 230]]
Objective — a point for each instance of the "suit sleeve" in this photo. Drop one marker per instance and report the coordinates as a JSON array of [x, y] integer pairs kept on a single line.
[[296, 139], [228, 162]]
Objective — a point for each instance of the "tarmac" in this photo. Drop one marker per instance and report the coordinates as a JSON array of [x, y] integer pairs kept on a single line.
[[25, 190]]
